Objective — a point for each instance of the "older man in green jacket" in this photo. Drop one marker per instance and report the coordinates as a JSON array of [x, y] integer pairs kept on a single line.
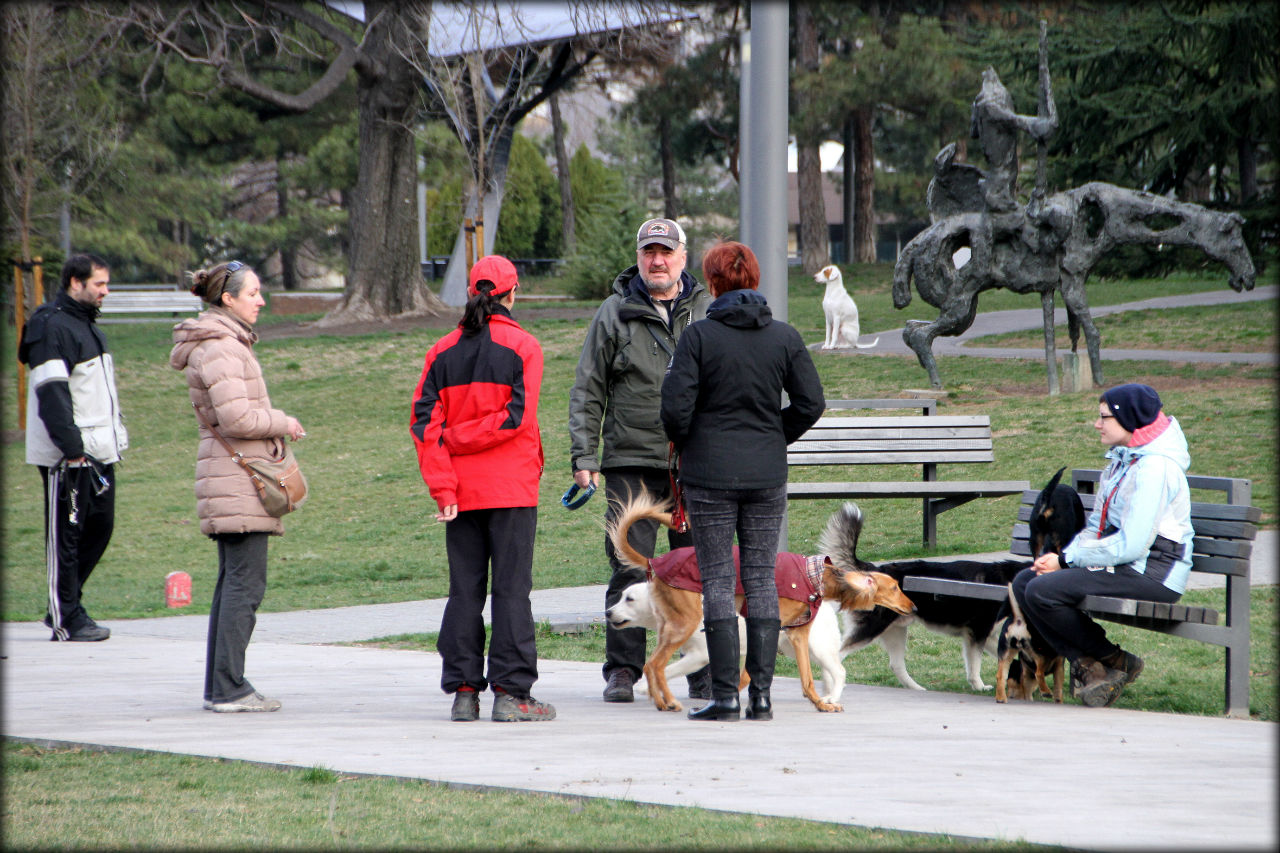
[[614, 402]]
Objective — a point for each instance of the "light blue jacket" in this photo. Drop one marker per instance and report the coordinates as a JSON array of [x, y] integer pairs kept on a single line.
[[1148, 525]]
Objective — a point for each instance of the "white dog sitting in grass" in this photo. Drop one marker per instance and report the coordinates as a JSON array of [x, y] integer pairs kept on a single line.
[[839, 310]]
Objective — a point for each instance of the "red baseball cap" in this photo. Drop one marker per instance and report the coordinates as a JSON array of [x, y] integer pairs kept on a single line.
[[496, 270]]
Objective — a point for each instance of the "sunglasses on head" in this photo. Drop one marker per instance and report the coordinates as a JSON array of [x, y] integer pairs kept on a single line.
[[234, 266]]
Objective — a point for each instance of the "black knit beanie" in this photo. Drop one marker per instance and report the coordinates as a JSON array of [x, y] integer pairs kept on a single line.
[[1134, 405]]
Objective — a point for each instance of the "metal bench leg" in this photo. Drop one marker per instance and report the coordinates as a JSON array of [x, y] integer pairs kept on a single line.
[[1237, 663], [930, 524]]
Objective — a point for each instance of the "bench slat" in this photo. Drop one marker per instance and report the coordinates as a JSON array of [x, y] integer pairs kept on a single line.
[[925, 421], [942, 586], [1153, 611], [906, 457], [868, 444], [909, 489]]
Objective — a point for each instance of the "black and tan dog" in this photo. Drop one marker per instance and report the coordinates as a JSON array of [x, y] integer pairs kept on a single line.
[[1025, 658]]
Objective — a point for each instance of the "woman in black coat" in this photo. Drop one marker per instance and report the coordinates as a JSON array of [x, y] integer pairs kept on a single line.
[[722, 408]]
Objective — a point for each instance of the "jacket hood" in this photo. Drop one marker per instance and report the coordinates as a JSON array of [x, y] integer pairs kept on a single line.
[[742, 309], [1171, 443], [209, 325]]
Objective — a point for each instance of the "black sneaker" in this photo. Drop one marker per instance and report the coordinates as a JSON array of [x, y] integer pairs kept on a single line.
[[466, 707], [85, 634], [619, 688], [509, 709]]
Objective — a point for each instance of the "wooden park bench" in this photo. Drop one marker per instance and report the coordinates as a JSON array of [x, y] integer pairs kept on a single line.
[[1223, 546], [927, 440], [135, 304]]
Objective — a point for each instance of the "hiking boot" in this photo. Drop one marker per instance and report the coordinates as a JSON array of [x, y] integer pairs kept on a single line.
[[1128, 663], [253, 702], [84, 634], [700, 684], [466, 706], [1102, 684], [619, 688], [510, 709]]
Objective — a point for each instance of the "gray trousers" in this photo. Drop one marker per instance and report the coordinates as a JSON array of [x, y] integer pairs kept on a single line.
[[755, 515], [242, 581]]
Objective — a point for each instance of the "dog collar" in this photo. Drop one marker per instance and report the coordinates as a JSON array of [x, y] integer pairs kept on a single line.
[[570, 499]]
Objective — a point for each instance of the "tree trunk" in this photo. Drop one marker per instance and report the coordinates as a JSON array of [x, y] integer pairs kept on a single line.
[[288, 254], [1247, 154], [815, 252], [864, 236], [384, 278], [670, 207], [569, 239]]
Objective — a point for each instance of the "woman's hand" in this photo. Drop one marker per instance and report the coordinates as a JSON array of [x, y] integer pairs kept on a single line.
[[294, 428], [1046, 563], [449, 513]]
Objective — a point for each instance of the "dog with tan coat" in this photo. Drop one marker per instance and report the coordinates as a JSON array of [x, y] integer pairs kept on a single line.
[[677, 598]]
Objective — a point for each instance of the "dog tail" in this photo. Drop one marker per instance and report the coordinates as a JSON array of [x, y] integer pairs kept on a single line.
[[839, 541], [867, 346], [1013, 605], [644, 505]]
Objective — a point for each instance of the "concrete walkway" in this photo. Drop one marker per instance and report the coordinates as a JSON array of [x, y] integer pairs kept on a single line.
[[930, 762]]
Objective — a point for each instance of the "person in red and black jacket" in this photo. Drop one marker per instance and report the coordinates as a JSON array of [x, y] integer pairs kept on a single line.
[[475, 425]]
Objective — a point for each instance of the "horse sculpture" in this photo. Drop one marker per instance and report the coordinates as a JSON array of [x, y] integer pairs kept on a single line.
[[1050, 246]]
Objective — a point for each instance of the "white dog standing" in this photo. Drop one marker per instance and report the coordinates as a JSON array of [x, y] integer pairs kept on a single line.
[[839, 310]]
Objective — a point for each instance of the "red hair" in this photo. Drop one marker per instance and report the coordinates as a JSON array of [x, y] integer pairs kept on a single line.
[[730, 266]]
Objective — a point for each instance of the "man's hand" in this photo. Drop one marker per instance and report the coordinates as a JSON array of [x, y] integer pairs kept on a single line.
[[585, 478]]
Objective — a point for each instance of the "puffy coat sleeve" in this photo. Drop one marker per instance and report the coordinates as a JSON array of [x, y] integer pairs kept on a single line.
[[1134, 514], [237, 392]]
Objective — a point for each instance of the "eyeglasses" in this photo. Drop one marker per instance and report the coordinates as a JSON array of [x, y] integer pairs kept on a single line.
[[1104, 417]]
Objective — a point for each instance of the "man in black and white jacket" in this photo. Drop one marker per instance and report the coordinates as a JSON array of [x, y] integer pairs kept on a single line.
[[75, 435]]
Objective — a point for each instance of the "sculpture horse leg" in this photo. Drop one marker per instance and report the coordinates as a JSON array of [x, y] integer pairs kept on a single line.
[[956, 316], [1050, 345], [1077, 307]]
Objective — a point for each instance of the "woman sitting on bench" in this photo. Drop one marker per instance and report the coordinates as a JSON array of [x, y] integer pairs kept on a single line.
[[1136, 543]]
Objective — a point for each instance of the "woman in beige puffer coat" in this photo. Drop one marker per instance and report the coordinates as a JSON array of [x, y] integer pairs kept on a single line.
[[224, 380]]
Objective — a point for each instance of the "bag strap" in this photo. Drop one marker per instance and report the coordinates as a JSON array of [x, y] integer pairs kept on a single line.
[[236, 456]]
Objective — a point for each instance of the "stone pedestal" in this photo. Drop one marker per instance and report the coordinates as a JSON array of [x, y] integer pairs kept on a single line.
[[1077, 375]]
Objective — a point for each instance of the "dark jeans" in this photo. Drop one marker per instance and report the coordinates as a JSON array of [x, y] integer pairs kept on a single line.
[[78, 524], [1051, 603], [756, 516], [242, 581], [476, 541], [626, 647]]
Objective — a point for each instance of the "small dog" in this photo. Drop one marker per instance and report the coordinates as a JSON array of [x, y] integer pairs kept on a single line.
[[635, 610], [839, 310], [678, 610], [1056, 517], [1020, 645]]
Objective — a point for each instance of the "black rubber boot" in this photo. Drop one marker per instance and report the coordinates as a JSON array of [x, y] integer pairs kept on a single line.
[[762, 654], [722, 647]]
